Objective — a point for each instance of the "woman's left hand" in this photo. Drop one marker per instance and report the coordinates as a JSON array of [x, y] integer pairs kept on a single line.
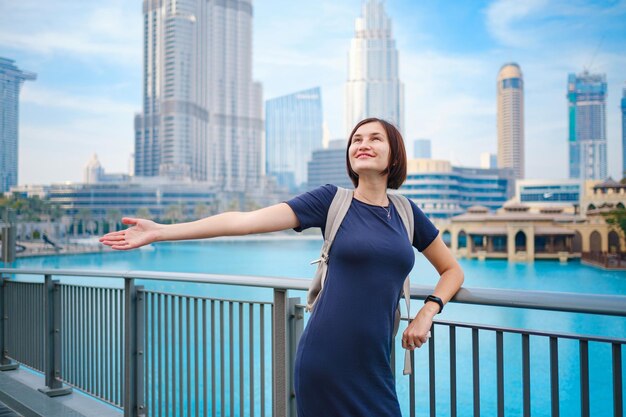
[[418, 331]]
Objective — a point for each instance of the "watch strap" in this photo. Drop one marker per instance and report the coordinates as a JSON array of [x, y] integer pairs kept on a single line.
[[435, 299]]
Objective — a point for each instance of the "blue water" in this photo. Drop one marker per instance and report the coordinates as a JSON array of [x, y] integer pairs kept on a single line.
[[290, 258]]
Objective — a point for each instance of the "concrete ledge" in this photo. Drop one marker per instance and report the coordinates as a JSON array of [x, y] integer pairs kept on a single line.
[[19, 390]]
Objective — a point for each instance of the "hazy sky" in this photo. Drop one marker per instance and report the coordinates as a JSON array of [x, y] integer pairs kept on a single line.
[[87, 55]]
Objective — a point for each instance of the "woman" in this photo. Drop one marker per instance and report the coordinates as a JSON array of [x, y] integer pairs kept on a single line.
[[343, 359]]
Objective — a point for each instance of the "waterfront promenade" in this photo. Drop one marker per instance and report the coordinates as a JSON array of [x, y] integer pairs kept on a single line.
[[486, 359], [201, 355]]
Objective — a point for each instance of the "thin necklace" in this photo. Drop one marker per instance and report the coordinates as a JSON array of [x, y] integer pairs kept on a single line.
[[388, 211]]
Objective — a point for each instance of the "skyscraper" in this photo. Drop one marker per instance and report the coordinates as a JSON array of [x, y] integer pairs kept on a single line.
[[328, 166], [624, 132], [510, 87], [421, 148], [202, 112], [11, 80], [373, 88], [586, 96], [488, 160], [293, 130]]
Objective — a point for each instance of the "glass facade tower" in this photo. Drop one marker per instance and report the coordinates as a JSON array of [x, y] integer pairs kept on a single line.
[[373, 88], [202, 112], [293, 130], [422, 148], [11, 80], [586, 96], [510, 87]]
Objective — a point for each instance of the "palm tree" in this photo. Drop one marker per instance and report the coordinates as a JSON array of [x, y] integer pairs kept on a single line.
[[251, 205], [233, 205], [201, 210], [55, 211], [144, 213], [113, 217], [174, 213], [83, 216], [214, 207]]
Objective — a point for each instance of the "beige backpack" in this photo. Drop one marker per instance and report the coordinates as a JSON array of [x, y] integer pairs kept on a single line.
[[336, 212]]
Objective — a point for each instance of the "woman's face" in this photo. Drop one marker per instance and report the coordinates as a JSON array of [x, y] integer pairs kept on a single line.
[[369, 149]]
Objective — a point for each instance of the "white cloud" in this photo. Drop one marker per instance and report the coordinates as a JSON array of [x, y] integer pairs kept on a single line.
[[93, 104], [543, 23], [110, 34], [503, 15]]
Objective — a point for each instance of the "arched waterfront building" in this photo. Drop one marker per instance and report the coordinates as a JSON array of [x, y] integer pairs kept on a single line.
[[518, 233], [510, 89]]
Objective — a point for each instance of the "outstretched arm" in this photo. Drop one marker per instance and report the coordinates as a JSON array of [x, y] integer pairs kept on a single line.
[[143, 232]]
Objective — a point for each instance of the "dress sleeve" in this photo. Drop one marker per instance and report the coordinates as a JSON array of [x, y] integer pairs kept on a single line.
[[424, 231], [311, 208]]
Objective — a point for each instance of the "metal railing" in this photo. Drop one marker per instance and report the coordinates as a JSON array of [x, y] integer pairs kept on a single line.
[[605, 259], [156, 353]]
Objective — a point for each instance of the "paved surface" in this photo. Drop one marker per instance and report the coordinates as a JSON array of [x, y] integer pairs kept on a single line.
[[6, 411], [19, 390]]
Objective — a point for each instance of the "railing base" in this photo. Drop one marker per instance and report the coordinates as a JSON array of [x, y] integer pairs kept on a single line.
[[9, 366], [55, 392]]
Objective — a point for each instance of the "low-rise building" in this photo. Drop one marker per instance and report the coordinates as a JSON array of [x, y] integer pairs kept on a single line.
[[328, 166], [443, 191], [518, 233], [540, 193], [603, 196]]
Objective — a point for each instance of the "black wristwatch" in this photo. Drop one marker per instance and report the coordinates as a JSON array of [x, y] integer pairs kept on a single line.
[[436, 300]]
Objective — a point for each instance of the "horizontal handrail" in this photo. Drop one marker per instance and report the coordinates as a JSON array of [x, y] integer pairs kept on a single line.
[[516, 330], [612, 305]]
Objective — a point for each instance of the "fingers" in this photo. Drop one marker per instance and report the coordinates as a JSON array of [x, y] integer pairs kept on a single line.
[[413, 341], [112, 234], [125, 246], [114, 238], [129, 220]]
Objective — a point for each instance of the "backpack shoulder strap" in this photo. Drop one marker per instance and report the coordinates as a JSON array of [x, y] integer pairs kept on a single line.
[[336, 213], [405, 210]]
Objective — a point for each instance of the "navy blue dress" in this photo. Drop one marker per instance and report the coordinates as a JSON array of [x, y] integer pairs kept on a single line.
[[343, 360]]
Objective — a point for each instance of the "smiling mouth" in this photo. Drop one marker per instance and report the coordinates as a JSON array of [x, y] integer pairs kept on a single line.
[[364, 155]]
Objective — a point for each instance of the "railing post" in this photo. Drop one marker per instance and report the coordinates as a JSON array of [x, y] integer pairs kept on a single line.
[[296, 326], [8, 236], [280, 354], [618, 402], [5, 363], [133, 349], [52, 340], [140, 338]]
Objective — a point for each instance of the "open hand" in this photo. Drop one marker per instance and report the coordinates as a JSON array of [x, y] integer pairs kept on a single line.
[[142, 232]]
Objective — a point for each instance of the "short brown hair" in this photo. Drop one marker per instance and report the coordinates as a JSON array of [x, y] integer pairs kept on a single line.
[[396, 166]]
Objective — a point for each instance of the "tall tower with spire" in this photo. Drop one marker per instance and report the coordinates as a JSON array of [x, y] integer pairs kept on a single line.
[[373, 88], [510, 87]]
